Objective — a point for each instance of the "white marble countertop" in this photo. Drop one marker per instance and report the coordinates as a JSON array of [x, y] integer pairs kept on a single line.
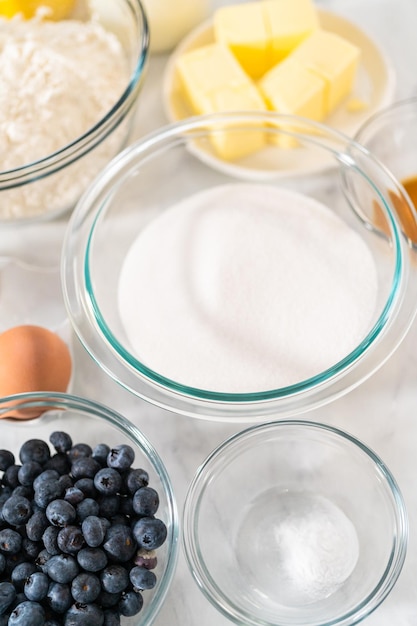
[[381, 411]]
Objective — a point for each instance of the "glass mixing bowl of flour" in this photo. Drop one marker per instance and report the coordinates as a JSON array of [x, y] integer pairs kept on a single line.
[[72, 86], [320, 537], [244, 288]]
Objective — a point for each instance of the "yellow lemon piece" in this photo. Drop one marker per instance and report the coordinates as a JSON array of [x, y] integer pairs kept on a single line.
[[58, 9]]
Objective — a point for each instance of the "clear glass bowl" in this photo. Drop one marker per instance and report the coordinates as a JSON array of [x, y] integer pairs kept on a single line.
[[253, 544], [391, 135], [176, 162], [90, 422], [51, 186]]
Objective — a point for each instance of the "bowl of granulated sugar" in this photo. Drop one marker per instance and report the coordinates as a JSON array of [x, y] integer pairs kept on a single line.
[[294, 523], [244, 292], [69, 88]]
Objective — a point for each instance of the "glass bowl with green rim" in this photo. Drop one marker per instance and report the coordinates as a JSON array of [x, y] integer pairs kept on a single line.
[[176, 162]]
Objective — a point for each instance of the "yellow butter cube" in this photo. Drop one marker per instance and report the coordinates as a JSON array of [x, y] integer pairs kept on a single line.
[[262, 33], [291, 88], [288, 23], [242, 28], [213, 82], [332, 58], [207, 69], [235, 143]]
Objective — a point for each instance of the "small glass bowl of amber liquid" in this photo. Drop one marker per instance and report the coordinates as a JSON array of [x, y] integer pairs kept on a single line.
[[391, 136]]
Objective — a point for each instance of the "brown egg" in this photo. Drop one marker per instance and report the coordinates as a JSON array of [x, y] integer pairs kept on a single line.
[[32, 358]]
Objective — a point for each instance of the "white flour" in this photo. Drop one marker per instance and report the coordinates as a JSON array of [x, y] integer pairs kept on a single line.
[[245, 288], [57, 79]]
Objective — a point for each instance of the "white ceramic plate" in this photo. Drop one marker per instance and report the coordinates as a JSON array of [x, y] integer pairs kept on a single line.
[[375, 85]]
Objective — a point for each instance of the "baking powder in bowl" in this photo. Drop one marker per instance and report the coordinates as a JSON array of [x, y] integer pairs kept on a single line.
[[245, 288]]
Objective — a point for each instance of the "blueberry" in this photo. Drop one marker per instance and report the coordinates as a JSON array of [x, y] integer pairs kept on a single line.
[[23, 490], [108, 481], [28, 472], [47, 492], [60, 463], [34, 450], [36, 525], [136, 479], [114, 578], [42, 560], [45, 476], [121, 457], [20, 597], [146, 558], [86, 508], [86, 485], [108, 600], [120, 544], [150, 532], [27, 613], [66, 482], [73, 495], [142, 578], [21, 573], [92, 559], [6, 460], [130, 603], [94, 530], [2, 563], [85, 588], [146, 501], [60, 513], [109, 506], [50, 540], [36, 587], [85, 467], [100, 453], [126, 505], [80, 449], [70, 539], [84, 615], [61, 441], [11, 476], [62, 568], [10, 541], [111, 618], [16, 510], [7, 595], [31, 549], [59, 597]]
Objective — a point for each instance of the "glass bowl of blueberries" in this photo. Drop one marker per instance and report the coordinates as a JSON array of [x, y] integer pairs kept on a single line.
[[88, 519]]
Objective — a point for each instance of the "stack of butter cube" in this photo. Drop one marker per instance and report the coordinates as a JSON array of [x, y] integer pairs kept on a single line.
[[268, 55]]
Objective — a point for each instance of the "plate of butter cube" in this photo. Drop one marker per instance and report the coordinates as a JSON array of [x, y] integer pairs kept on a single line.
[[285, 56]]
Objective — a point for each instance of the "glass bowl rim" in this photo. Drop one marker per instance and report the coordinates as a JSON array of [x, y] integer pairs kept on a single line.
[[81, 145], [93, 201], [200, 482], [409, 104], [64, 401]]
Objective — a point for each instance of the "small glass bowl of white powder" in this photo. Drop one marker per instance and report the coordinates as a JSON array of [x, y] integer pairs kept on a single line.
[[237, 297], [318, 537], [68, 91]]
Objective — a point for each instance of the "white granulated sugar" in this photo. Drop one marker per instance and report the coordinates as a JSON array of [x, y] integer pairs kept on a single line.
[[245, 288], [57, 80]]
